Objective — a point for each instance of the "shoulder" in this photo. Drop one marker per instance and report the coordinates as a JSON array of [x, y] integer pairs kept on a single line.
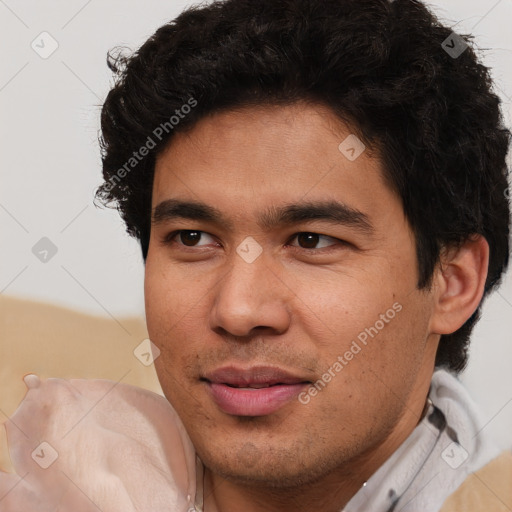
[[487, 490]]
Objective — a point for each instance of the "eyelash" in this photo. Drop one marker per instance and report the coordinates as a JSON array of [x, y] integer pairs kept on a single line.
[[169, 240]]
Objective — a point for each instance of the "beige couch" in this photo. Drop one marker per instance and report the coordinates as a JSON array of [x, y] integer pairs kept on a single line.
[[52, 341]]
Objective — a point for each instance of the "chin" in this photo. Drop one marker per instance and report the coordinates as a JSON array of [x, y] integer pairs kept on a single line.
[[267, 466]]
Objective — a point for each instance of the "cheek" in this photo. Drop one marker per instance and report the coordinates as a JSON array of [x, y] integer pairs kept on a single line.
[[174, 316], [166, 295], [372, 337], [390, 351], [155, 300], [343, 306], [161, 304]]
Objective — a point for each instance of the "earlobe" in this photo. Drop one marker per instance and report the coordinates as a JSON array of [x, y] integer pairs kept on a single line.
[[459, 283]]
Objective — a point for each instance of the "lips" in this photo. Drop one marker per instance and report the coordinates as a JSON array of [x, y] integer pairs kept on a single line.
[[255, 391]]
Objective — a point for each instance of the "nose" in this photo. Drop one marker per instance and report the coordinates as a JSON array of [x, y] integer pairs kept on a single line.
[[251, 297]]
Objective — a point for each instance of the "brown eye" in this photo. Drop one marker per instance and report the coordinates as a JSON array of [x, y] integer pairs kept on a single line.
[[186, 238], [189, 238], [308, 240]]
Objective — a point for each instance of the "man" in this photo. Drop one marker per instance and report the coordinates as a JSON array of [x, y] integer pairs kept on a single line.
[[319, 189]]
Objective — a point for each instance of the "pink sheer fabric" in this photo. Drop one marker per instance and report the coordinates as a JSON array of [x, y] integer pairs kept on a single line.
[[88, 445]]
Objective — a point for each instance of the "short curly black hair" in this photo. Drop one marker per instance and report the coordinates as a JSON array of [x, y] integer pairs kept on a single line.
[[407, 85]]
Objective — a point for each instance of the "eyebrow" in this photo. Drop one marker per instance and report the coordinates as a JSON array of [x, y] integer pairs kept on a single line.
[[330, 211]]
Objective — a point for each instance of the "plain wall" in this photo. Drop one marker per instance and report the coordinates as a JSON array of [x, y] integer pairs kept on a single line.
[[50, 166]]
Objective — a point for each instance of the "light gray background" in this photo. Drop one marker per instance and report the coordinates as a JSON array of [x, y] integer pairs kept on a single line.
[[50, 166]]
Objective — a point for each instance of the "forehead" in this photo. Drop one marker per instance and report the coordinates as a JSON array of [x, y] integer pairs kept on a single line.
[[270, 156]]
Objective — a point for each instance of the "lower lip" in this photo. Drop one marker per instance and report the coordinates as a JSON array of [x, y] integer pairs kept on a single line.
[[253, 402]]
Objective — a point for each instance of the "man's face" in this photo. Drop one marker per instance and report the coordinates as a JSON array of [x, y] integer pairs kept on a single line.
[[303, 300]]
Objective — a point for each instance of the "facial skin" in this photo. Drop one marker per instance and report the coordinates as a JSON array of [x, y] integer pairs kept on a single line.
[[298, 306]]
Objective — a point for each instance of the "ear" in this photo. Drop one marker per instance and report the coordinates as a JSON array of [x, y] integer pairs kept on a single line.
[[459, 282]]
